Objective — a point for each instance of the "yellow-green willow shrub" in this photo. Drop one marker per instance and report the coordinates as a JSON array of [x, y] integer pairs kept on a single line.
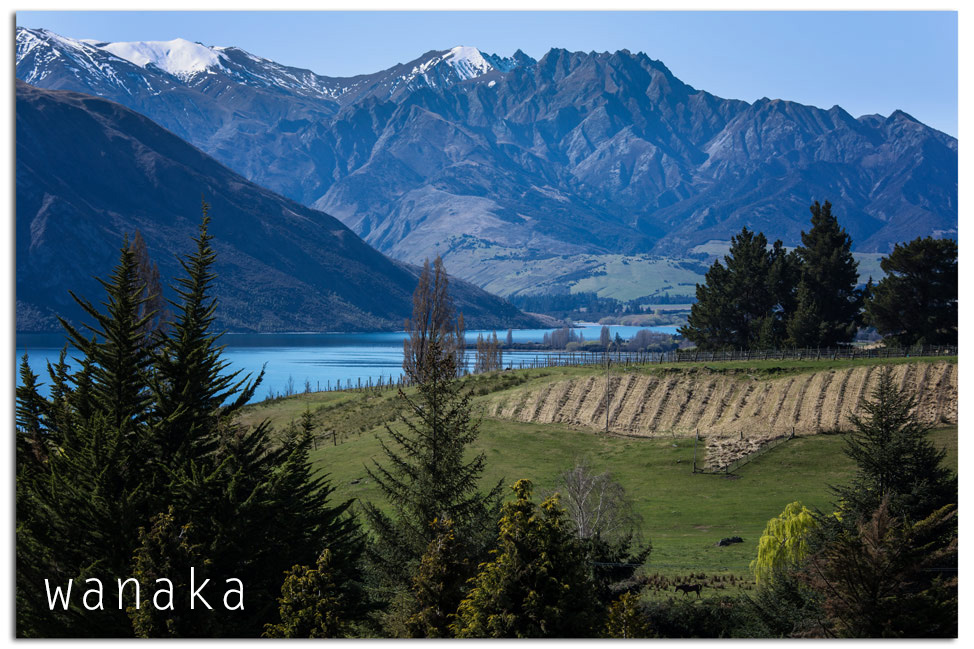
[[784, 542]]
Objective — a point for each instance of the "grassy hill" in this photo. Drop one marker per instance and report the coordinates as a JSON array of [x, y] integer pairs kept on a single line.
[[683, 514]]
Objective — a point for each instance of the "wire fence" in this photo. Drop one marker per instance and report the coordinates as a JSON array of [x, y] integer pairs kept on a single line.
[[519, 360], [730, 467]]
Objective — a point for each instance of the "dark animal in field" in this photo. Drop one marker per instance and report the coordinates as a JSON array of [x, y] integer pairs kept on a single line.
[[728, 540], [689, 588]]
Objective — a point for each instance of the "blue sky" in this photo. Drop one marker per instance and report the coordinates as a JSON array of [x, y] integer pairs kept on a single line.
[[866, 62]]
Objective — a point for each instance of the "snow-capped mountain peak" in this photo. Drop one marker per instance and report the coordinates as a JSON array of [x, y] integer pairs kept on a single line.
[[178, 57], [466, 62], [469, 62]]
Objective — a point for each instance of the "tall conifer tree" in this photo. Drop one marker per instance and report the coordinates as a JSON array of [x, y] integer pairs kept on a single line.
[[917, 300], [140, 437], [739, 301], [426, 475], [81, 520], [192, 389], [828, 304]]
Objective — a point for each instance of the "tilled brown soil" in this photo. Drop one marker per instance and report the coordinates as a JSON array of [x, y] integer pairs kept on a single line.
[[719, 405]]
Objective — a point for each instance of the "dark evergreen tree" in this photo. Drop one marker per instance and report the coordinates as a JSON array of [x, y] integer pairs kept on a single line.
[[887, 577], [828, 306], [537, 585], [144, 427], [81, 514], [705, 324], [427, 476], [916, 303], [255, 506], [739, 302], [192, 390], [894, 459], [118, 360]]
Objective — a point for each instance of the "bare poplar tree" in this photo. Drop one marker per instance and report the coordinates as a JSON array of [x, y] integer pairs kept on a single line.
[[432, 329], [460, 344], [489, 354], [497, 355], [148, 274]]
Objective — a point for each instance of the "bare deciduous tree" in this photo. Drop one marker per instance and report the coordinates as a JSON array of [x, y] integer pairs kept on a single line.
[[596, 503], [155, 303], [489, 354], [432, 326]]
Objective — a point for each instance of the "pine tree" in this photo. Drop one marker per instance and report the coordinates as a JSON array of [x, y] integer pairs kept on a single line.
[[140, 428], [890, 578], [537, 584], [84, 513], [116, 357], [739, 300], [427, 476], [828, 304], [894, 458], [916, 303], [192, 390]]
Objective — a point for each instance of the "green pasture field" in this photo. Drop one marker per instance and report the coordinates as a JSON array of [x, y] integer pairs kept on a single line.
[[683, 514], [352, 411]]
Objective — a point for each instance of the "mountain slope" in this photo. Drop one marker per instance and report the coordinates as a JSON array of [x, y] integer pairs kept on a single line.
[[90, 170], [480, 158]]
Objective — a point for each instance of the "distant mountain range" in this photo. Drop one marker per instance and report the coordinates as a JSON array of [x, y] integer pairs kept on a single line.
[[500, 162], [90, 170]]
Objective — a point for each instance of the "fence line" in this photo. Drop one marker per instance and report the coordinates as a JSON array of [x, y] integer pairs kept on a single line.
[[629, 358], [731, 467]]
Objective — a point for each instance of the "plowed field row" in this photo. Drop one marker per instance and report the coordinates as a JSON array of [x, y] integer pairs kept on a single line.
[[723, 405]]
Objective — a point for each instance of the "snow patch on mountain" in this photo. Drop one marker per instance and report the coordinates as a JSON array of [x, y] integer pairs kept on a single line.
[[46, 50], [178, 57], [467, 62]]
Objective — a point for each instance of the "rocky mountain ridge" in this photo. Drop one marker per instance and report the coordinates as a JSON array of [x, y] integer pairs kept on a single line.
[[480, 159], [90, 171]]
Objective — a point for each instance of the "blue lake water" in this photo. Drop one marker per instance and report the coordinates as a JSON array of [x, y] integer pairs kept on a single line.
[[319, 360]]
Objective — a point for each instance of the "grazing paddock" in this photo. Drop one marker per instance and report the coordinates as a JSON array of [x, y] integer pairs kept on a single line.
[[537, 422]]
